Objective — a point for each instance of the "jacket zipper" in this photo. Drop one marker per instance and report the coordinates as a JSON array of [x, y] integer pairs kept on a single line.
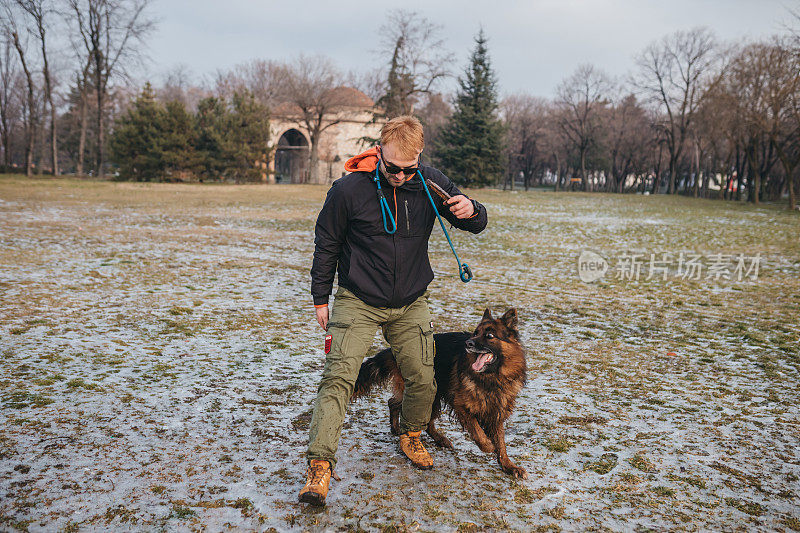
[[408, 224], [396, 265]]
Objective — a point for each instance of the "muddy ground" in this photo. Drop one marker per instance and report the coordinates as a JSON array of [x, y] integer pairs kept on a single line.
[[160, 356]]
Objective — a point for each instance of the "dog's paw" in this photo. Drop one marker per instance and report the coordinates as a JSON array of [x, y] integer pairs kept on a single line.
[[517, 472], [444, 442]]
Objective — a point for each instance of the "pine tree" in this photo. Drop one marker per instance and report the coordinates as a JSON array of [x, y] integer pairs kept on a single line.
[[249, 133], [153, 142], [213, 144], [232, 139], [179, 156], [470, 150], [136, 141]]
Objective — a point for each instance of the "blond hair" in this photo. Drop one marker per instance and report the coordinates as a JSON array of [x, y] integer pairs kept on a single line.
[[405, 132]]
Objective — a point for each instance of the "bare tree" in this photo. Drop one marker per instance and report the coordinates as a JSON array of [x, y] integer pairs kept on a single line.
[[416, 58], [83, 87], [783, 100], [433, 114], [39, 11], [526, 118], [581, 98], [11, 29], [264, 79], [8, 77], [371, 82], [627, 139], [557, 146], [766, 78], [312, 88], [111, 32], [747, 82], [671, 74]]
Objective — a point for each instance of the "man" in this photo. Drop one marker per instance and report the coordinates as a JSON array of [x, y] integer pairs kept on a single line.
[[383, 280]]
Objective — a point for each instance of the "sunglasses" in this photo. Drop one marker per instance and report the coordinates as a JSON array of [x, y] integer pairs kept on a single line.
[[391, 168]]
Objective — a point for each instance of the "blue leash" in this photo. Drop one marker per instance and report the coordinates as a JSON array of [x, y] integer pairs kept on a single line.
[[384, 205], [464, 272]]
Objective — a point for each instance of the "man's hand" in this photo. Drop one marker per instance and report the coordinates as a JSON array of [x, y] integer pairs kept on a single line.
[[322, 317], [461, 206]]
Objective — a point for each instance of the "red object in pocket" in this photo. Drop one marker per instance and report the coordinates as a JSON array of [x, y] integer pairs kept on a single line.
[[328, 339]]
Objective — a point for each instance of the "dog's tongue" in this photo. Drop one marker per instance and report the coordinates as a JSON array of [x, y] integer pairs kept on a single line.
[[478, 365]]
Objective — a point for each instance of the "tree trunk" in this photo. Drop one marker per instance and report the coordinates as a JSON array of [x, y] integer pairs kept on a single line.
[[313, 160], [696, 184], [100, 133], [84, 112], [42, 152], [584, 179], [789, 169], [49, 94], [753, 181], [558, 172], [672, 165], [6, 144], [31, 126]]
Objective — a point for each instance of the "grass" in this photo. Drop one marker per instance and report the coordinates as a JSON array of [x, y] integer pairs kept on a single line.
[[604, 464], [170, 327], [526, 495], [640, 462], [751, 508], [558, 444]]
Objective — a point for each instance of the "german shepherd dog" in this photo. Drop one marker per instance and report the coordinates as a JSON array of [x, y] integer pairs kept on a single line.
[[478, 378]]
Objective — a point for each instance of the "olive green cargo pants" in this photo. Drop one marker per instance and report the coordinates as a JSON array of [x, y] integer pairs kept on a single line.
[[409, 332]]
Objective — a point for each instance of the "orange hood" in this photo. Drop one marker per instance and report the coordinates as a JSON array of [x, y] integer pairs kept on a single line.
[[363, 162]]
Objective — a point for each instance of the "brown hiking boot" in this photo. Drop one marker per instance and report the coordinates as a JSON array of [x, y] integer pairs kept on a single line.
[[319, 477], [412, 447]]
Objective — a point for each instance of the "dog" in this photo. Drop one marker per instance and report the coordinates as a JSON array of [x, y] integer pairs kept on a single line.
[[478, 376]]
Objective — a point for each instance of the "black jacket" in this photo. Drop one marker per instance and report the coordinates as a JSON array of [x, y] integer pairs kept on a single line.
[[382, 269]]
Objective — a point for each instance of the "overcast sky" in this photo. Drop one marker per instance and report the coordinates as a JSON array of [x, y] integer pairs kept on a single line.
[[533, 44]]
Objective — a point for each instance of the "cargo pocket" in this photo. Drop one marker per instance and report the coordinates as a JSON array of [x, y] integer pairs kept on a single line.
[[339, 332], [428, 346]]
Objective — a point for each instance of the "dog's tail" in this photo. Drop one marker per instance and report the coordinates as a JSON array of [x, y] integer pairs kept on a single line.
[[375, 372]]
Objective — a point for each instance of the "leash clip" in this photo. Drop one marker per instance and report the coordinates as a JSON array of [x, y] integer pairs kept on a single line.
[[465, 273]]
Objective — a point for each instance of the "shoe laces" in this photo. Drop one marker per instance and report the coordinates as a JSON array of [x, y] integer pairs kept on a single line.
[[317, 472], [416, 444]]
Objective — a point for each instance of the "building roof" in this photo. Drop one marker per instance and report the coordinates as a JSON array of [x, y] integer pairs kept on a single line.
[[341, 96], [352, 97]]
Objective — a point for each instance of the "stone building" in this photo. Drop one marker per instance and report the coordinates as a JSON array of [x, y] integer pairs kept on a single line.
[[290, 139]]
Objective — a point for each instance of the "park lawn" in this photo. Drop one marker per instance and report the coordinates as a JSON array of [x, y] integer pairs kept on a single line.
[[160, 356]]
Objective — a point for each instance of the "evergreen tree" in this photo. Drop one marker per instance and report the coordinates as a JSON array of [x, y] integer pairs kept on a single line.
[[178, 141], [155, 142], [233, 139], [213, 145], [249, 132], [136, 141], [470, 149]]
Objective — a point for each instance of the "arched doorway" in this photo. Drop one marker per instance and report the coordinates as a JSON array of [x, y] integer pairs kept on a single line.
[[291, 158]]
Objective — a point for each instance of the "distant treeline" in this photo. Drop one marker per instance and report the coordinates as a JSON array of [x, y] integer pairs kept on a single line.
[[695, 116]]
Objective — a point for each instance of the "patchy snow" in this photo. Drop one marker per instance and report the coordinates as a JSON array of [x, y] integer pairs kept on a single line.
[[160, 357]]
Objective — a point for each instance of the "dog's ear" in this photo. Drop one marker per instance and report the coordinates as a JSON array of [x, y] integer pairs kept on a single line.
[[487, 315], [509, 319]]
